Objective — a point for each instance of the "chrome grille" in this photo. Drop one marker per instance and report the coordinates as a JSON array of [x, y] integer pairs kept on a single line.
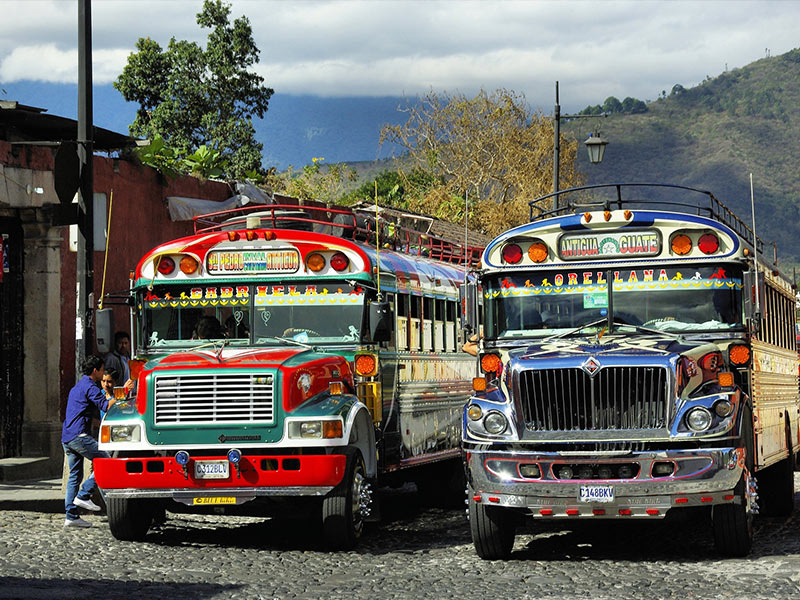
[[615, 398], [214, 398]]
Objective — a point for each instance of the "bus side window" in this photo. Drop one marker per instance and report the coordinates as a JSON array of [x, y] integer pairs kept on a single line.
[[438, 326], [451, 325], [402, 321], [415, 319], [427, 324]]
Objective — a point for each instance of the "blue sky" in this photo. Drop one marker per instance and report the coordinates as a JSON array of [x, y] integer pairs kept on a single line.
[[394, 48]]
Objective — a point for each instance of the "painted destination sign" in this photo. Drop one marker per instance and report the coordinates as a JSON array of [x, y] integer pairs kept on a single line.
[[609, 244], [252, 262]]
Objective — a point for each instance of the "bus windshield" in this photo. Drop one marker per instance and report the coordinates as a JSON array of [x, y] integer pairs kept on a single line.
[[676, 299], [252, 315]]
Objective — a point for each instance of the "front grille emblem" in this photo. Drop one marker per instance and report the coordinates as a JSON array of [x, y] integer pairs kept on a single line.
[[591, 366]]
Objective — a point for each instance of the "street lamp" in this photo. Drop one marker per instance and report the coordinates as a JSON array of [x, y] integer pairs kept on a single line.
[[595, 144], [596, 147]]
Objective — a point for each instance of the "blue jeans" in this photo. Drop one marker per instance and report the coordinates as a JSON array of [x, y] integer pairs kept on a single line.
[[76, 450]]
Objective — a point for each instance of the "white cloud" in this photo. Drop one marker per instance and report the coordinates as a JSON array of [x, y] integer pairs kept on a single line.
[[349, 47]]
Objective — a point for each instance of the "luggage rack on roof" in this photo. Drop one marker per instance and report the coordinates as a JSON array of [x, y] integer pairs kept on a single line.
[[341, 222], [715, 209]]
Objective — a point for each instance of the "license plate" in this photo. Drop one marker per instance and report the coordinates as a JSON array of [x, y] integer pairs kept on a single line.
[[215, 500], [596, 493], [211, 469]]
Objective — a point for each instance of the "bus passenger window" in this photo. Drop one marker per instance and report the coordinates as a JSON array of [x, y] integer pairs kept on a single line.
[[402, 321], [451, 326], [415, 318], [427, 324], [438, 326]]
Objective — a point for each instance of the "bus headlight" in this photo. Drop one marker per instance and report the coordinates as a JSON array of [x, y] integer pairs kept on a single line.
[[315, 430], [495, 422], [126, 433], [698, 419]]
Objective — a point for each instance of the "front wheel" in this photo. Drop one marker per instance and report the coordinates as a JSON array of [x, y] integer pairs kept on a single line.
[[776, 488], [129, 518], [346, 506], [492, 529]]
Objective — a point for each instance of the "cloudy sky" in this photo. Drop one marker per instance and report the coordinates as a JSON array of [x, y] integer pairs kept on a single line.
[[595, 48]]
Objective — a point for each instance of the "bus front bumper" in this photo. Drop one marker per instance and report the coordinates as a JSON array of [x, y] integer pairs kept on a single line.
[[269, 475], [701, 477]]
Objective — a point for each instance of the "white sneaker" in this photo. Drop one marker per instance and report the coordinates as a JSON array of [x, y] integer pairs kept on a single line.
[[76, 523], [87, 504]]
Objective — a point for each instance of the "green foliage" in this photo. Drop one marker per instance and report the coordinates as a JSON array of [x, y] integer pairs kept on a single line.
[[194, 97], [612, 105], [160, 157], [324, 183], [394, 188], [206, 163]]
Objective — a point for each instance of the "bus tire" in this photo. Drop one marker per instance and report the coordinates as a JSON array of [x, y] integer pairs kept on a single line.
[[129, 518], [492, 529], [346, 506], [733, 523], [776, 488]]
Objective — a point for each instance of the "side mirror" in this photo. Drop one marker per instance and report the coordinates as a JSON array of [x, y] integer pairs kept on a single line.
[[104, 330], [754, 290], [380, 322], [468, 297]]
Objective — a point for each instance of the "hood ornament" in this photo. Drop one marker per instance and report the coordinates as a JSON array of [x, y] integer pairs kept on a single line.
[[591, 366]]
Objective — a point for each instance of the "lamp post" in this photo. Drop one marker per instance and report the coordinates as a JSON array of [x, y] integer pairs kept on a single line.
[[596, 145]]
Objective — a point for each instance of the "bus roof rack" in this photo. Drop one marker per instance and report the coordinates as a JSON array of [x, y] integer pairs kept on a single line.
[[713, 208], [342, 222]]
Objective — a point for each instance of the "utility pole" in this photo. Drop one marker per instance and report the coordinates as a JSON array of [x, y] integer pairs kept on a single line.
[[84, 308]]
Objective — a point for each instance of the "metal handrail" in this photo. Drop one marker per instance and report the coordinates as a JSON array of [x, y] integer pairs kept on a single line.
[[715, 209], [361, 227]]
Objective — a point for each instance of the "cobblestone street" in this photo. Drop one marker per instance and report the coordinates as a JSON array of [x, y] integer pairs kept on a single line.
[[417, 552]]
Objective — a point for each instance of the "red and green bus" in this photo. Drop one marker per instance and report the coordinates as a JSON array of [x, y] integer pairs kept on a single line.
[[287, 368]]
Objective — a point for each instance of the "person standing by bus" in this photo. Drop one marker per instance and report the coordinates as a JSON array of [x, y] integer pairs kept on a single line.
[[84, 398], [118, 358]]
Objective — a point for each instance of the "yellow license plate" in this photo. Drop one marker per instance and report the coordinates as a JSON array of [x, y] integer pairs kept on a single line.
[[215, 500]]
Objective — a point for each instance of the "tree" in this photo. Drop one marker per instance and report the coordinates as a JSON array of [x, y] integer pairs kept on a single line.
[[492, 147], [612, 105], [191, 96], [325, 183]]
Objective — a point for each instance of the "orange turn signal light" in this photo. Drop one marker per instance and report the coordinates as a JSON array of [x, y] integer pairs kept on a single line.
[[739, 355], [105, 434], [315, 262], [491, 363], [331, 429], [537, 252], [189, 264], [233, 236], [607, 215], [479, 384], [251, 235], [627, 214], [725, 379], [681, 244], [336, 388], [366, 365], [587, 216]]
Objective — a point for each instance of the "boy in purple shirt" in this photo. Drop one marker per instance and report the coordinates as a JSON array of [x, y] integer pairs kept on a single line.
[[83, 400]]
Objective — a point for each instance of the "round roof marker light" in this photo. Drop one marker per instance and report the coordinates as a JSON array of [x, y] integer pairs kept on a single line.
[[708, 243], [681, 244], [166, 265], [315, 262], [234, 455], [233, 236], [512, 254], [537, 251], [182, 457], [189, 264], [340, 262]]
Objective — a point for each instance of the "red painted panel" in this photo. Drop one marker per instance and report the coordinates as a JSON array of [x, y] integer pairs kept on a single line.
[[327, 470]]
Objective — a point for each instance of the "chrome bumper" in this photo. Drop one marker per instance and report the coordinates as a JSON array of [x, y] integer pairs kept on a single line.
[[242, 494], [701, 478]]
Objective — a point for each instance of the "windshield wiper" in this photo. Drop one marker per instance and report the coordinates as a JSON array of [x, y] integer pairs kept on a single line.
[[639, 328], [576, 330], [290, 341]]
